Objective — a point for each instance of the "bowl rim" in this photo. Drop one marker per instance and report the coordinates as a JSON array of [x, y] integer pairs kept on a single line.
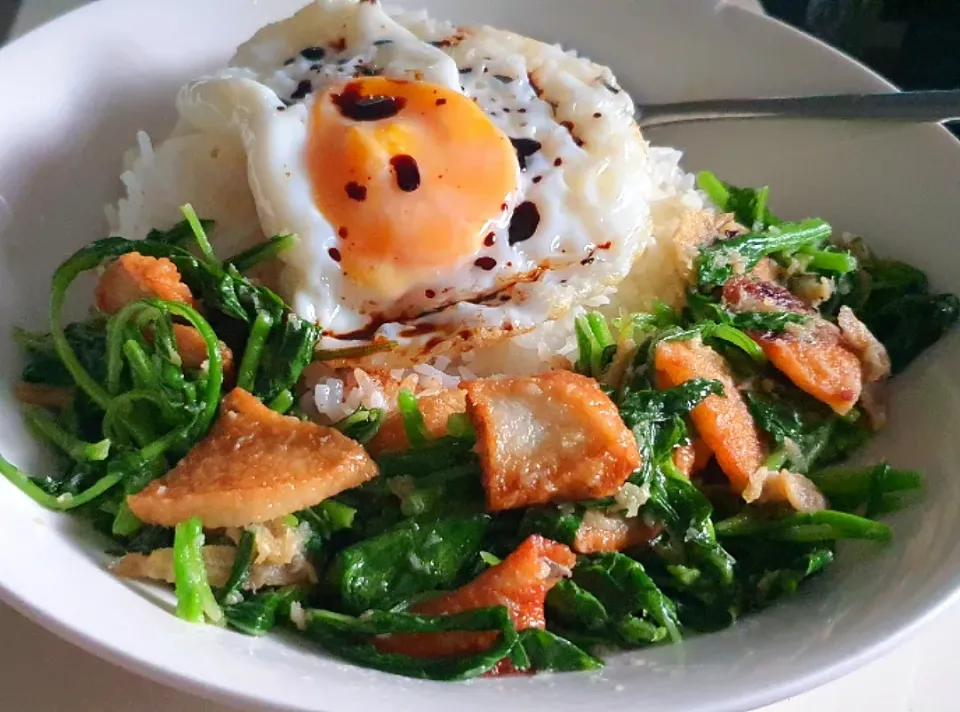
[[818, 673]]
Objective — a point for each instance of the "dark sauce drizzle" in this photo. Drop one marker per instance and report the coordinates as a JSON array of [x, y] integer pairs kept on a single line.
[[313, 54], [356, 106], [525, 147], [524, 223], [355, 191], [407, 172], [303, 88]]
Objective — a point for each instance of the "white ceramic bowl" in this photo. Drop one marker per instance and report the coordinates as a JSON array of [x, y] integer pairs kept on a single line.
[[73, 94]]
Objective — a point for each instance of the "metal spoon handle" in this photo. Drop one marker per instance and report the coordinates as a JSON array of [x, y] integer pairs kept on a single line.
[[910, 106]]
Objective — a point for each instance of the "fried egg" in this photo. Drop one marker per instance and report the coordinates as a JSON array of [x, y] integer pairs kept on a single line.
[[449, 186]]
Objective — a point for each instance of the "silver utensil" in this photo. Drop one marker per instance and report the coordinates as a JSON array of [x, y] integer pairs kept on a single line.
[[908, 106]]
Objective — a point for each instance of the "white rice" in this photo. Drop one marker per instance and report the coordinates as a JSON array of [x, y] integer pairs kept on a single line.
[[330, 399], [333, 401], [203, 169]]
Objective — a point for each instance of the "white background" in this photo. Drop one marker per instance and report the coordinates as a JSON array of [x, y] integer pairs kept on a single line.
[[41, 673]]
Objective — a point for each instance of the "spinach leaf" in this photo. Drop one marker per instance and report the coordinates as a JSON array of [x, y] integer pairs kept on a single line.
[[87, 340], [262, 252], [878, 488], [748, 205], [547, 651], [35, 488], [686, 513], [656, 420], [787, 577], [910, 324], [240, 572], [328, 517], [150, 538], [414, 424], [348, 638], [456, 489], [363, 424], [718, 262], [823, 526], [780, 421], [896, 303], [651, 406], [414, 556], [770, 322], [224, 289], [220, 287], [768, 571], [440, 454], [553, 522], [257, 615], [807, 434], [624, 587], [595, 343], [288, 350], [842, 437], [179, 233], [634, 632], [576, 607]]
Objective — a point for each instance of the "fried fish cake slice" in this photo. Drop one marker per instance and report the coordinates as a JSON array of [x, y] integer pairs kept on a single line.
[[255, 465], [723, 422], [133, 276], [548, 438], [599, 532], [812, 355]]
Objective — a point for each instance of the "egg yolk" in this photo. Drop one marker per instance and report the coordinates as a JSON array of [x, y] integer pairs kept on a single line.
[[410, 174]]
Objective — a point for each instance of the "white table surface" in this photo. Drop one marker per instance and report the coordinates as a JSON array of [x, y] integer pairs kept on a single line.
[[41, 673]]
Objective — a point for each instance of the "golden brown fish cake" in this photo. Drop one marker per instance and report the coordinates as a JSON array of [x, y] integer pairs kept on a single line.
[[723, 422], [133, 276], [547, 438], [600, 532], [255, 465]]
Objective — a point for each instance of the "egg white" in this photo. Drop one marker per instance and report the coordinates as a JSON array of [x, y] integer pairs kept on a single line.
[[586, 178]]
